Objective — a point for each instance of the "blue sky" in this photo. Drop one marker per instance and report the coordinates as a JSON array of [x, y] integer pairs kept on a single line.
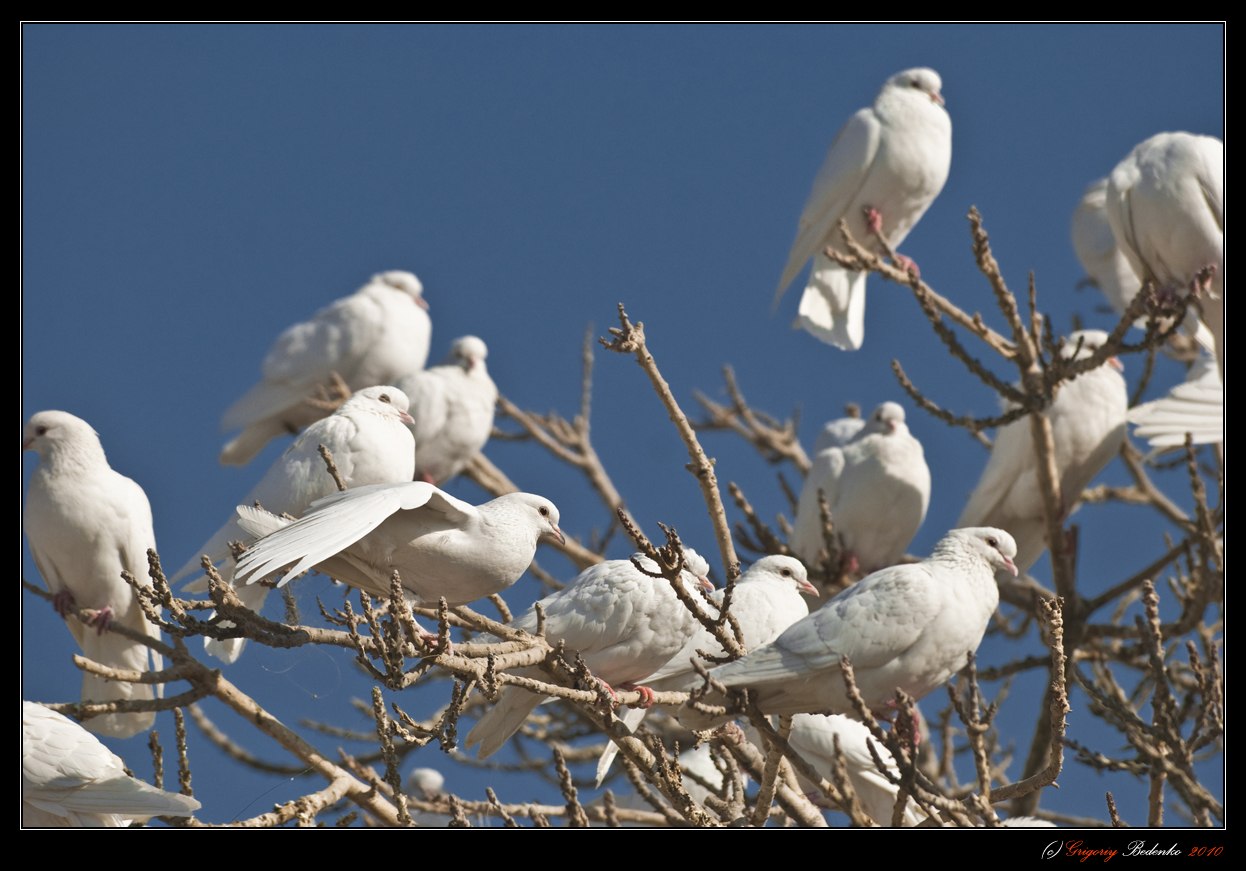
[[190, 191]]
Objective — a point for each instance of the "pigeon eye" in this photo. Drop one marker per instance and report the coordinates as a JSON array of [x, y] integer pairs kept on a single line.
[[916, 83], [543, 511], [787, 573], [384, 397], [41, 430], [993, 541]]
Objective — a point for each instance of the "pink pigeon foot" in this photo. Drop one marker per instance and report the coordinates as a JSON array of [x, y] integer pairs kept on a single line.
[[605, 686], [908, 265], [646, 695], [63, 602], [102, 619], [431, 640], [874, 220]]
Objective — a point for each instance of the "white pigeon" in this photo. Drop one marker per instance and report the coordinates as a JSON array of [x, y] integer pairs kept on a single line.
[[877, 487], [439, 545], [1165, 202], [371, 444], [908, 627], [813, 738], [86, 524], [373, 336], [765, 601], [71, 780], [1087, 425], [1195, 407], [892, 158], [453, 409], [625, 624], [1109, 268]]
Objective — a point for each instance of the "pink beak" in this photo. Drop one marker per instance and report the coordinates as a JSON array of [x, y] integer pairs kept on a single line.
[[810, 590], [1012, 567], [421, 302], [406, 418], [1116, 364], [936, 97]]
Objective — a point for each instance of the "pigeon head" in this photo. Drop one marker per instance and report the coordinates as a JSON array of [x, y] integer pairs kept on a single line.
[[888, 418], [787, 569], [382, 399], [50, 431], [404, 281], [922, 79], [994, 546], [467, 352], [537, 511]]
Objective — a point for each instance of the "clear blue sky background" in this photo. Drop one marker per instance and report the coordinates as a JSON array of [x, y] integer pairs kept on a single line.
[[190, 191]]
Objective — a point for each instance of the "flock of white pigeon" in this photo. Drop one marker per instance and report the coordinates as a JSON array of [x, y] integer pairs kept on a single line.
[[1157, 218]]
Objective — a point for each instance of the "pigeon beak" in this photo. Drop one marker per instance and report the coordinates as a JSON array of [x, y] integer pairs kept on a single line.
[[406, 418], [705, 585], [421, 302], [1116, 364], [27, 442], [1011, 566], [936, 97], [556, 534], [810, 590]]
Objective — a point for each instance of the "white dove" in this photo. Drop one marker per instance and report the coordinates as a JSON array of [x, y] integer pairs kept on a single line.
[[1087, 425], [86, 524], [371, 444], [1165, 202], [908, 627], [765, 601], [877, 487], [439, 545], [374, 336], [813, 738], [625, 625], [1195, 407], [892, 159], [453, 409], [71, 780], [1109, 268]]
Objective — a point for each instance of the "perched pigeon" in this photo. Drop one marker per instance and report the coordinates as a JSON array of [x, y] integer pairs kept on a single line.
[[439, 545], [908, 627], [766, 600], [1107, 265], [625, 624], [893, 159], [370, 443], [1087, 425], [1165, 202], [1195, 407], [877, 487], [86, 524], [453, 409], [71, 780], [813, 738], [373, 336]]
